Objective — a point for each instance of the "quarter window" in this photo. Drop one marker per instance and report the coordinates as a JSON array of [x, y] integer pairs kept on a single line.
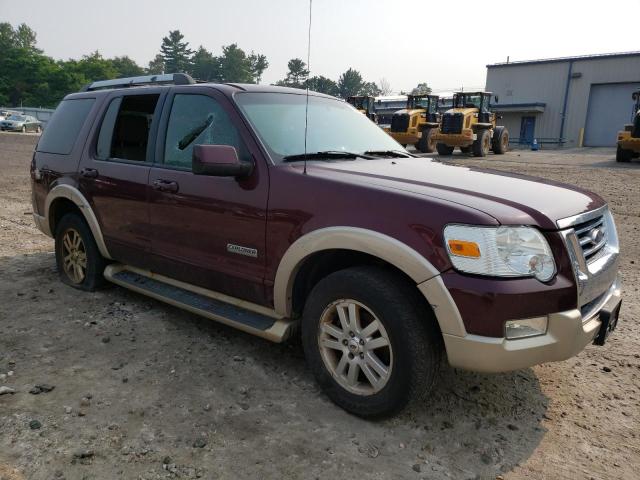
[[124, 133], [198, 120], [62, 131]]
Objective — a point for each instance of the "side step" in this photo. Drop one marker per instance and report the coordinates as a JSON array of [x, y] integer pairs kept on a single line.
[[249, 317]]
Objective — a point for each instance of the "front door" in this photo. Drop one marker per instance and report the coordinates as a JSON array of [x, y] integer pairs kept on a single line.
[[115, 170], [208, 231], [527, 130]]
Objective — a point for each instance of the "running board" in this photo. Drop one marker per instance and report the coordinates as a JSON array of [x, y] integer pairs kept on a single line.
[[248, 317]]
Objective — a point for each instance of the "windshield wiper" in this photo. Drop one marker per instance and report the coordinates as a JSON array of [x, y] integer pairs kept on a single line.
[[389, 153], [328, 155]]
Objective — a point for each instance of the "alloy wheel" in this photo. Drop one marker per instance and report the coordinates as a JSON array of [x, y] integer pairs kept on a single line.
[[355, 347], [74, 256]]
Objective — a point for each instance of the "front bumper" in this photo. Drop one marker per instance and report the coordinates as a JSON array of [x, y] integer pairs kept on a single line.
[[405, 138], [463, 139], [628, 142], [567, 335], [11, 128]]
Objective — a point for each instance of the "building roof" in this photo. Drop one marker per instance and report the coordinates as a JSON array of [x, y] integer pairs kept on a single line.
[[581, 58]]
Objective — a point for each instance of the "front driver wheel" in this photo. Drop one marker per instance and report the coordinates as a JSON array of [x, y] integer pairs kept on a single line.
[[370, 342], [444, 149]]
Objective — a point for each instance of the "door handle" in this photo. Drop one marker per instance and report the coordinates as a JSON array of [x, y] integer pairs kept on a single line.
[[89, 172], [165, 185]]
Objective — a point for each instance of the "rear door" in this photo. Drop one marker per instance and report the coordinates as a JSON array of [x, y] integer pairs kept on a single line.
[[208, 231], [115, 170]]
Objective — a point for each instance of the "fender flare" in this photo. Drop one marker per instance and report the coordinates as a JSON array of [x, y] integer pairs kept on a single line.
[[73, 194], [389, 249]]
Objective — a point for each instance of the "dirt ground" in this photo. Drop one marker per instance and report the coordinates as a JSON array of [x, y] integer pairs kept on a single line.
[[146, 391]]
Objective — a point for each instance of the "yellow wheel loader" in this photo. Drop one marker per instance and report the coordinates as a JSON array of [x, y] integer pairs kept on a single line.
[[417, 123], [365, 105], [629, 138], [471, 126]]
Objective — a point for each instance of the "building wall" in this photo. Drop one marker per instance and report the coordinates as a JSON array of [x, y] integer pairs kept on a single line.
[[528, 83], [596, 71], [546, 82]]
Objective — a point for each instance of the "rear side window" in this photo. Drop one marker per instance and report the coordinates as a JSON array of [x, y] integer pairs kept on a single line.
[[124, 133], [65, 124]]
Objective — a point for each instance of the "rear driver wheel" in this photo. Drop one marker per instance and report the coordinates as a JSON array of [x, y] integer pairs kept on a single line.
[[79, 261], [370, 343]]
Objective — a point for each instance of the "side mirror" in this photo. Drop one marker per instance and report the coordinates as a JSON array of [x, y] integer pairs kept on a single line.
[[496, 98], [219, 161]]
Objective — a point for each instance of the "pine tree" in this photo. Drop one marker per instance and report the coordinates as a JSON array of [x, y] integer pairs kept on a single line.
[[176, 53]]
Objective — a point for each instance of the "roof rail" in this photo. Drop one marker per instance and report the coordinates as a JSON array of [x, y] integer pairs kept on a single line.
[[163, 79]]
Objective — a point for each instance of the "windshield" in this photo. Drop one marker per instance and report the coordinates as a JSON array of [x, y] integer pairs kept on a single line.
[[467, 101], [18, 118], [334, 126]]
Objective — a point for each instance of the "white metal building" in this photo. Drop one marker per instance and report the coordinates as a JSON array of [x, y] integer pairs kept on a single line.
[[572, 101]]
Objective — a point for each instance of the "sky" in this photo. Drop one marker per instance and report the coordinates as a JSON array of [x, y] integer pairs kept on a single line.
[[404, 41]]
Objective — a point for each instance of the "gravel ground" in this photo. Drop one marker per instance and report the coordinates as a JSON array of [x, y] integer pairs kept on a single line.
[[114, 385]]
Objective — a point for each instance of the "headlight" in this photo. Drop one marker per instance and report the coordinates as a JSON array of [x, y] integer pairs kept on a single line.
[[500, 251]]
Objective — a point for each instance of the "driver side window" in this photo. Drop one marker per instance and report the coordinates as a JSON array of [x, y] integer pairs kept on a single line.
[[198, 120]]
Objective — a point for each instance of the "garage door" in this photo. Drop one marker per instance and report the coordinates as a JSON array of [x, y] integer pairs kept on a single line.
[[610, 107]]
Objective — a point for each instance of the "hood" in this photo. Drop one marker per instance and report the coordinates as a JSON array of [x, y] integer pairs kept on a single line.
[[511, 199], [463, 111], [409, 111]]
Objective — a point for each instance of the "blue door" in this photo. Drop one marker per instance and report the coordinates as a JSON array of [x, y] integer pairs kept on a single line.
[[527, 130]]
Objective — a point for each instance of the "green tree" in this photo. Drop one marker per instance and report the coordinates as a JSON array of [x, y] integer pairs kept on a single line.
[[27, 77], [91, 67], [370, 88], [257, 65], [156, 66], [176, 53], [126, 67], [205, 66], [421, 88], [21, 37], [235, 66], [297, 74], [323, 85], [350, 83]]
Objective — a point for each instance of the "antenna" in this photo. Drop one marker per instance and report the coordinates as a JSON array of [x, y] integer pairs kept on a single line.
[[306, 107]]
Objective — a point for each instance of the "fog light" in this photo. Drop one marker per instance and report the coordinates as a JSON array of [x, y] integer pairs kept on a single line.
[[529, 327]]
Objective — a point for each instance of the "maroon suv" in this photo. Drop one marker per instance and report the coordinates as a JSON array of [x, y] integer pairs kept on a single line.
[[273, 211]]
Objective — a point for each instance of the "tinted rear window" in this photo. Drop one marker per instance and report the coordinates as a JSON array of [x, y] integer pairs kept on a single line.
[[64, 126]]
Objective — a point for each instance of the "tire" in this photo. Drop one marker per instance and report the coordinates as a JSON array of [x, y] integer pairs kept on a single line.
[[623, 155], [482, 144], [500, 140], [466, 150], [444, 149], [427, 144], [412, 355], [38, 129], [73, 237]]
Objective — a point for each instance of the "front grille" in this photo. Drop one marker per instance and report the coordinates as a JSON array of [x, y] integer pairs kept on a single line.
[[452, 123], [592, 237], [400, 122]]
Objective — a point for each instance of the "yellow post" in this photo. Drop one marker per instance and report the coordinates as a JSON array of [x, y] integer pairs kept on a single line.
[[581, 137]]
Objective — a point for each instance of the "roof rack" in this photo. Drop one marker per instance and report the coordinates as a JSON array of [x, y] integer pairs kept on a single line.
[[163, 79]]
